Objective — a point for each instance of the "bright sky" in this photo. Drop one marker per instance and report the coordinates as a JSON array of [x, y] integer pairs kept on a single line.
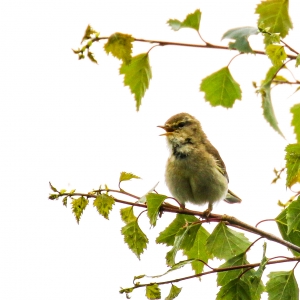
[[73, 123]]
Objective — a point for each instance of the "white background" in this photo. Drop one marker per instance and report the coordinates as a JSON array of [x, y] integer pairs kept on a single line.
[[73, 123]]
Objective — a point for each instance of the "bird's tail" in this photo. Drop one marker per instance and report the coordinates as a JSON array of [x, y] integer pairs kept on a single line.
[[232, 198]]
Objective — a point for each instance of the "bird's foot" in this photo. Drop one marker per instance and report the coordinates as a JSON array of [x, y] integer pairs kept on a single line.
[[208, 211], [182, 205]]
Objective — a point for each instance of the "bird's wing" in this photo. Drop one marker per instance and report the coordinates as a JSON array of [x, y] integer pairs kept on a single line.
[[232, 198], [214, 152]]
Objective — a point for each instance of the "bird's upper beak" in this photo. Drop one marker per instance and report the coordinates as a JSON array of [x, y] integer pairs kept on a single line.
[[169, 131]]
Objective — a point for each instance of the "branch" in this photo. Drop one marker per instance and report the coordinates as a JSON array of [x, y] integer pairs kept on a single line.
[[269, 236], [289, 47], [166, 207], [207, 46], [218, 270], [285, 82]]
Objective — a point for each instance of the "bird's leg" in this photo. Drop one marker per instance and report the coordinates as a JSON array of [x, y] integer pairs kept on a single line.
[[207, 212], [182, 205]]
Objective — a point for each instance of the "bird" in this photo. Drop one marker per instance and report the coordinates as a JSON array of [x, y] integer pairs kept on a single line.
[[195, 171]]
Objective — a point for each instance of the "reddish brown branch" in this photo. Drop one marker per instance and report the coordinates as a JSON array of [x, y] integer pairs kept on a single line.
[[208, 45], [229, 220], [218, 270], [285, 82]]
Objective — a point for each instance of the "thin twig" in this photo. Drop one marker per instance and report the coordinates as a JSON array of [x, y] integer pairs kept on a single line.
[[218, 270], [208, 45], [289, 47], [285, 82]]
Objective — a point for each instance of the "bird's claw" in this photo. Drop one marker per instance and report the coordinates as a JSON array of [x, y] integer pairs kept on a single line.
[[208, 211]]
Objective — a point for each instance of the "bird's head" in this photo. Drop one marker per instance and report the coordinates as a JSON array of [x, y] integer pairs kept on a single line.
[[182, 129]]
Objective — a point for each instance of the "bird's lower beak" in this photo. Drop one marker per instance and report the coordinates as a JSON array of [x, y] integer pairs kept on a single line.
[[167, 129], [166, 133]]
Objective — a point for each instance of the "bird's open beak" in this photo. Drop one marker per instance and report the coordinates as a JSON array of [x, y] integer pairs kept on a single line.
[[168, 130]]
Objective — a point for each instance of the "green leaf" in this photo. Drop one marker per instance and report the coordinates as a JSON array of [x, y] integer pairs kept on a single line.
[[267, 107], [280, 78], [104, 204], [190, 234], [137, 75], [240, 35], [53, 188], [88, 33], [72, 192], [126, 290], [127, 176], [138, 277], [184, 240], [295, 110], [297, 89], [65, 201], [293, 237], [153, 292], [120, 46], [265, 91], [191, 21], [53, 196], [225, 243], [298, 60], [225, 277], [154, 201], [270, 38], [276, 53], [292, 158], [78, 206], [282, 285], [167, 236], [271, 75], [91, 57], [77, 51], [175, 267], [236, 289], [81, 56], [198, 251], [135, 238], [143, 199], [127, 214], [274, 14], [256, 284], [174, 292], [221, 89], [293, 216]]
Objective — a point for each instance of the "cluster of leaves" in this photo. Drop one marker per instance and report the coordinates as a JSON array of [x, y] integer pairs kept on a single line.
[[89, 35], [237, 278], [220, 88]]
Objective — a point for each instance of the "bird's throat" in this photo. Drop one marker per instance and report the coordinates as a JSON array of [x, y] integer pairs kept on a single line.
[[182, 150]]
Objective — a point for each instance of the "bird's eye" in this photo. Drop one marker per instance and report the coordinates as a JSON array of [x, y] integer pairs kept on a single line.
[[181, 124]]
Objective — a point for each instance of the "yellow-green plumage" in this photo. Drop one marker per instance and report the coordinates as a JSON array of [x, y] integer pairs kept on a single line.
[[195, 172]]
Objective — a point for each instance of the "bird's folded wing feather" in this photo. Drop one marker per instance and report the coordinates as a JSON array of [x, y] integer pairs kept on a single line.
[[214, 152]]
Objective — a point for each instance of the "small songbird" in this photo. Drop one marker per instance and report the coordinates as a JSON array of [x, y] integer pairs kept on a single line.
[[195, 171]]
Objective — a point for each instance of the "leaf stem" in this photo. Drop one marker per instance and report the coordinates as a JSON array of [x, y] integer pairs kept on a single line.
[[289, 47]]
